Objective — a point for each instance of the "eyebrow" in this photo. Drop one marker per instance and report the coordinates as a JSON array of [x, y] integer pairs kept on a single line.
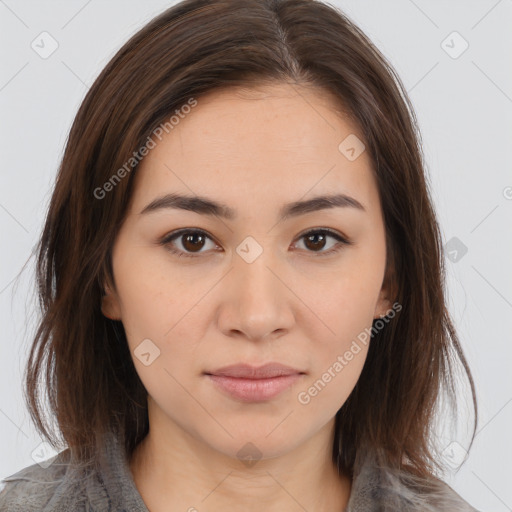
[[205, 206]]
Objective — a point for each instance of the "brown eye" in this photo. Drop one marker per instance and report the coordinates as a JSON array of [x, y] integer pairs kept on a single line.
[[315, 241], [191, 241]]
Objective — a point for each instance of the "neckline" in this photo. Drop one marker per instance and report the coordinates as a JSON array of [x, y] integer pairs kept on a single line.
[[118, 480]]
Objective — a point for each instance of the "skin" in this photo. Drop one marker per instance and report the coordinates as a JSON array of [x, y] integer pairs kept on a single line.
[[253, 150]]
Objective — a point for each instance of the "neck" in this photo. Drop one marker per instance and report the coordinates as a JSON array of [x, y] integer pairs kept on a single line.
[[174, 471]]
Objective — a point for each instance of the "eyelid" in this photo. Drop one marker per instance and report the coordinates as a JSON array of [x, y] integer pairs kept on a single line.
[[329, 231], [169, 237], [341, 239]]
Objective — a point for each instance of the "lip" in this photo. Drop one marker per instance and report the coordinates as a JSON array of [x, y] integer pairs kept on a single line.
[[246, 371], [254, 384]]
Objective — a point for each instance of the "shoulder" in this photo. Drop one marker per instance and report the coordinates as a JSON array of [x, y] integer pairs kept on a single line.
[[432, 495], [381, 488], [38, 487]]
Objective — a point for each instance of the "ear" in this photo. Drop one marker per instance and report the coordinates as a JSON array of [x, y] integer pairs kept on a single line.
[[383, 305], [387, 294], [110, 306]]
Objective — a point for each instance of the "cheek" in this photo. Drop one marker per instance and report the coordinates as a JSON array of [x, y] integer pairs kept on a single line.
[[340, 334], [159, 316], [163, 316], [343, 305], [336, 365], [154, 297], [327, 390]]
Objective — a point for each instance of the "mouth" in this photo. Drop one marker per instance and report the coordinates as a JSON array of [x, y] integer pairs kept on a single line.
[[248, 383]]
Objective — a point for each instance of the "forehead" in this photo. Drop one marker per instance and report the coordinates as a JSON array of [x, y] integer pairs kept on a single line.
[[253, 144]]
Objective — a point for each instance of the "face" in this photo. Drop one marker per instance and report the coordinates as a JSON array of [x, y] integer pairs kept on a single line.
[[197, 292]]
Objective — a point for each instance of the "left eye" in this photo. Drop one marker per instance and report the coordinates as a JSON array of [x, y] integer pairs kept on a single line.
[[192, 241], [316, 238]]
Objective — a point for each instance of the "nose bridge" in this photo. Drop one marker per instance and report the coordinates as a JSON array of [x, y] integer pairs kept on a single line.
[[253, 277], [257, 298]]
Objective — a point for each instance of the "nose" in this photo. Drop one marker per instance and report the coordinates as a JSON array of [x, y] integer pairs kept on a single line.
[[257, 302]]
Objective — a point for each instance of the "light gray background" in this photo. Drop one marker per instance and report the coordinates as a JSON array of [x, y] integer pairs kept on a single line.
[[464, 107]]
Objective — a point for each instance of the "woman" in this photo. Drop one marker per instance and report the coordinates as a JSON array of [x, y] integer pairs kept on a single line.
[[242, 278]]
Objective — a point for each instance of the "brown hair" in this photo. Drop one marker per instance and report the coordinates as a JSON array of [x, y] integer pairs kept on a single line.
[[194, 47]]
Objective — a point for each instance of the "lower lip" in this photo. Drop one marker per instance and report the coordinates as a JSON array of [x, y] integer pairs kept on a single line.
[[254, 390]]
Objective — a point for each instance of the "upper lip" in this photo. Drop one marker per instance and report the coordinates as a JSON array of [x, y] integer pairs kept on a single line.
[[246, 371]]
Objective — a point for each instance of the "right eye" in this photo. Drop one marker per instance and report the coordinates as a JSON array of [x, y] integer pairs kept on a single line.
[[190, 239]]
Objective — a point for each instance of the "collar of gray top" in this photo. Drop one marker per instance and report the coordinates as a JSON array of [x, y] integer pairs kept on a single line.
[[59, 487]]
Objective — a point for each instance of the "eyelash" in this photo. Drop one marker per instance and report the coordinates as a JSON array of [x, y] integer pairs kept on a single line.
[[167, 239]]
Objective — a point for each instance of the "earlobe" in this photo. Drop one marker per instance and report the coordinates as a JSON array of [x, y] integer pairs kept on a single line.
[[110, 305], [383, 307], [389, 289]]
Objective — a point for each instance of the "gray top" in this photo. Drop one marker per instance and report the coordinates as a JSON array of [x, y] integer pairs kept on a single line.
[[60, 488]]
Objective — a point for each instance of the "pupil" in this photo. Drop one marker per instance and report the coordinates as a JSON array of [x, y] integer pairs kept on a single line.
[[190, 238], [314, 236]]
